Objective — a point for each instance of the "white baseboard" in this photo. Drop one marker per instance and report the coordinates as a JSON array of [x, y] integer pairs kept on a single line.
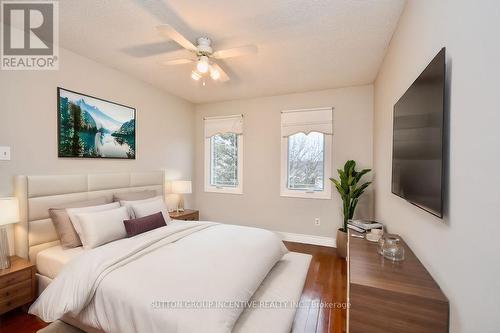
[[308, 239]]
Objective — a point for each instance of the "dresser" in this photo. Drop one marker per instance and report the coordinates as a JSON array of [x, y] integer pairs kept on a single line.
[[17, 284], [388, 296]]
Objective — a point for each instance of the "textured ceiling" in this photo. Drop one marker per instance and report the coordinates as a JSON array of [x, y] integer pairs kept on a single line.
[[303, 44]]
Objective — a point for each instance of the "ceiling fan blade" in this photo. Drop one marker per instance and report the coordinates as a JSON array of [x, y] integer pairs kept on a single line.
[[223, 76], [236, 52], [177, 61], [174, 35], [147, 50]]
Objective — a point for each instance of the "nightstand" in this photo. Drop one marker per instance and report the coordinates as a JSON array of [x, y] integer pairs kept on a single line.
[[17, 284], [186, 215]]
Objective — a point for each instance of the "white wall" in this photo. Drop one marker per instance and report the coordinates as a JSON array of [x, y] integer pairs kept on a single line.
[[28, 121], [460, 250], [261, 204]]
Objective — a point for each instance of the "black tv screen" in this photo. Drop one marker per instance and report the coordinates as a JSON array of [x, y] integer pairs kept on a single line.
[[417, 159]]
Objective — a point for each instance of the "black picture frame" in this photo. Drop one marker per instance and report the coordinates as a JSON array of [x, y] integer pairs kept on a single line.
[[61, 144]]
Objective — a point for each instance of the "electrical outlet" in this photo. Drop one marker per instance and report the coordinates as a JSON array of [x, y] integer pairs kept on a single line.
[[5, 153], [317, 221]]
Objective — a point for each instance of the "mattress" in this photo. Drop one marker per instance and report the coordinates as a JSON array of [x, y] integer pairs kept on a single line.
[[49, 262]]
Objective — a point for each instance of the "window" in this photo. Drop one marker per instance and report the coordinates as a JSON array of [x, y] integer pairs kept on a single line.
[[223, 154], [306, 158], [224, 160], [306, 161]]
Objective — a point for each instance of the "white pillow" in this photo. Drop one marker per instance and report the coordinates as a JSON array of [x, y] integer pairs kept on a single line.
[[149, 208], [98, 228], [129, 203], [73, 212]]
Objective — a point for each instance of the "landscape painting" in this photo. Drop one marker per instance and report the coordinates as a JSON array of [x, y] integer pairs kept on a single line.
[[90, 127]]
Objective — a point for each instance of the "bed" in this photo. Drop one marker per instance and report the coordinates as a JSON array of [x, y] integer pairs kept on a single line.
[[195, 261], [51, 260]]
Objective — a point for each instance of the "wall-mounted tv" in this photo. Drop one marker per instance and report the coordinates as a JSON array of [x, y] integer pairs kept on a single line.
[[417, 154]]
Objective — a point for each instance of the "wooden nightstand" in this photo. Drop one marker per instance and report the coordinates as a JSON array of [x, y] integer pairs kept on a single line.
[[186, 215], [17, 284]]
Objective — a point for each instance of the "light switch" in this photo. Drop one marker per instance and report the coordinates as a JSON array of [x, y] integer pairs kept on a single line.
[[5, 153]]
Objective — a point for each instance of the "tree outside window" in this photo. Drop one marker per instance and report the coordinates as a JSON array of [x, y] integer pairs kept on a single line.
[[306, 161], [224, 160]]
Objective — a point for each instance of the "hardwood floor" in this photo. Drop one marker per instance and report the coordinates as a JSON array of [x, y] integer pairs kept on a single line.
[[325, 285], [19, 321]]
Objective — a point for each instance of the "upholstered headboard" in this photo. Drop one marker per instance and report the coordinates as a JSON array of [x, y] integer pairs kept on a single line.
[[35, 231]]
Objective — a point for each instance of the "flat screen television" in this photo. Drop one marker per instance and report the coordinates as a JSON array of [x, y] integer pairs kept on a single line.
[[417, 151]]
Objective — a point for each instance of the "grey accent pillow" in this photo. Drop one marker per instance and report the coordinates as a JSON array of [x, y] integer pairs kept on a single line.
[[128, 204], [62, 223], [142, 209], [132, 196]]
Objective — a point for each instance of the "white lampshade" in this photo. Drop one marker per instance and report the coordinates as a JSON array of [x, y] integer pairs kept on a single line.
[[181, 186], [9, 210]]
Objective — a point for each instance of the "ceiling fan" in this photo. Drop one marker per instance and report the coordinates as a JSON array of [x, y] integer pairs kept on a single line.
[[203, 54]]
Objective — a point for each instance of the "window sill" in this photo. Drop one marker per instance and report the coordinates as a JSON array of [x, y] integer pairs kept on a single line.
[[304, 195], [224, 190]]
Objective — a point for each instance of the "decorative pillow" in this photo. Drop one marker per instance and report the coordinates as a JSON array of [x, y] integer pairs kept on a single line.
[[132, 196], [129, 203], [101, 227], [143, 224], [73, 212], [150, 207], [62, 223]]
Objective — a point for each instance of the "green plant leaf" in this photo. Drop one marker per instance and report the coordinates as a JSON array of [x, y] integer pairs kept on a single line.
[[349, 168], [361, 174], [335, 181], [350, 164], [348, 189], [361, 189], [352, 208]]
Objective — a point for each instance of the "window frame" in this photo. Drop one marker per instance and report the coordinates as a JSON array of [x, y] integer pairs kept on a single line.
[[326, 193], [208, 166]]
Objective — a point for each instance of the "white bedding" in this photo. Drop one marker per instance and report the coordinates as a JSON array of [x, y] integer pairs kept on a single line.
[[277, 297], [49, 262], [114, 287]]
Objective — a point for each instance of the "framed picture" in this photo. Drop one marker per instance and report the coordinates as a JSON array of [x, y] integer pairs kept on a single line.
[[90, 127]]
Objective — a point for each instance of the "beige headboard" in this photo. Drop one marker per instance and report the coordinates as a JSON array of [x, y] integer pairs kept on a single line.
[[37, 194]]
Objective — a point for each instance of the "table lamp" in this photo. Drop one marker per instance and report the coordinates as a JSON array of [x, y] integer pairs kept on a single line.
[[9, 213], [181, 187]]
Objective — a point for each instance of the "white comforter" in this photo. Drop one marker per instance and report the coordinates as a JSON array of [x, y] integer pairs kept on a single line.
[[185, 277]]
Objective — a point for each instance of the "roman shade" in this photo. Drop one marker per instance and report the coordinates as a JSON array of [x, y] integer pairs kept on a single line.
[[223, 125], [307, 121]]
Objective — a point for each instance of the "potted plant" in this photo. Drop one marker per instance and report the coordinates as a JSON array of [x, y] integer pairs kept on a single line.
[[349, 191]]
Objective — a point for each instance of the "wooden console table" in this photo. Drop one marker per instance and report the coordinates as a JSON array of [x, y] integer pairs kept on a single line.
[[388, 296]]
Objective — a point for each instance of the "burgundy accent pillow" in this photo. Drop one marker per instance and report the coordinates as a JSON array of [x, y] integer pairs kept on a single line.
[[143, 224]]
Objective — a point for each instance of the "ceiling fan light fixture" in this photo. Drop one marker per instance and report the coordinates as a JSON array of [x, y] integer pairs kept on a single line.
[[202, 66], [214, 73], [195, 75]]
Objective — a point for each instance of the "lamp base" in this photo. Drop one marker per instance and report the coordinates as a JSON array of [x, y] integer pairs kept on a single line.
[[180, 204], [4, 249]]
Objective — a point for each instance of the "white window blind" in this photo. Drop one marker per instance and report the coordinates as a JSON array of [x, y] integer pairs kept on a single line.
[[223, 125], [306, 153], [306, 121]]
